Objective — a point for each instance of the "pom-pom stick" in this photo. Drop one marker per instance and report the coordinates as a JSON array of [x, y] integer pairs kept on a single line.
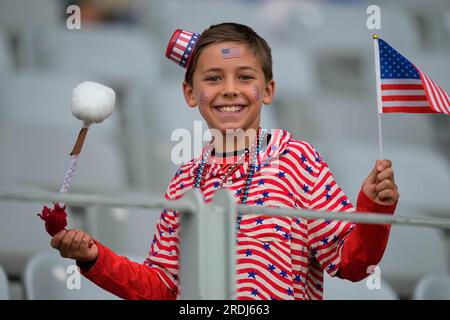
[[91, 103]]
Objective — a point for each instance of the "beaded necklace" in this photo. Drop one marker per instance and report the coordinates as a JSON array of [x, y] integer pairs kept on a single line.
[[253, 154]]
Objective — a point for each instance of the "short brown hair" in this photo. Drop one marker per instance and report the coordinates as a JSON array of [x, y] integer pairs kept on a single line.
[[235, 32]]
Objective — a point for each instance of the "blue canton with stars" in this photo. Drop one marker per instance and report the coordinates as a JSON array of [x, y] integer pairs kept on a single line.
[[393, 65]]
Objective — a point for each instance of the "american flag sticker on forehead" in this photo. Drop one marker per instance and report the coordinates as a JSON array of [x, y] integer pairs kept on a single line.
[[231, 52], [181, 46]]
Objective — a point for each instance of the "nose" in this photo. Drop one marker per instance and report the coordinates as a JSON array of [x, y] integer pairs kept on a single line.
[[230, 90]]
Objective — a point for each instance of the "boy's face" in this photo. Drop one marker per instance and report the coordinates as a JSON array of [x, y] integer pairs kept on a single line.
[[229, 87]]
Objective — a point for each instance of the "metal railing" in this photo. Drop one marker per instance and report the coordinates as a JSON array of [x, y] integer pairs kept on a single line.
[[207, 231]]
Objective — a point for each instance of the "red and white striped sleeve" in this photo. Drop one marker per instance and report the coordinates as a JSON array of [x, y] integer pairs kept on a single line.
[[164, 250], [343, 248], [326, 238]]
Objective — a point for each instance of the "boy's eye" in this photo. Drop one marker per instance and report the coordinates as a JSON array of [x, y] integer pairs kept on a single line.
[[212, 78], [246, 77]]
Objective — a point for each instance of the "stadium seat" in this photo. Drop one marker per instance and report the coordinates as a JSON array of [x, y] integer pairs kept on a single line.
[[35, 115], [48, 276], [6, 56], [16, 15], [421, 174], [37, 132], [433, 287], [113, 53], [4, 285], [339, 289]]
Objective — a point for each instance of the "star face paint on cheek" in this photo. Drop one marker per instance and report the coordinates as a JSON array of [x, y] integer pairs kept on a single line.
[[204, 97], [228, 53], [256, 93]]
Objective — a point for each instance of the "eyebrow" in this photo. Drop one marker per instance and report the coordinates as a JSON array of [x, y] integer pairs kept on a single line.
[[220, 69]]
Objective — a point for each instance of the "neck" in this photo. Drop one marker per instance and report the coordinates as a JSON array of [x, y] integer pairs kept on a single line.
[[234, 140]]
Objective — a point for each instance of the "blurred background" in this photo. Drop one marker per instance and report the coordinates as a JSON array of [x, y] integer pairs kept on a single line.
[[325, 94]]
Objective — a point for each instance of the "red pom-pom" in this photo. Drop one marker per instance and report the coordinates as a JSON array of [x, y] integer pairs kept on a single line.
[[55, 219]]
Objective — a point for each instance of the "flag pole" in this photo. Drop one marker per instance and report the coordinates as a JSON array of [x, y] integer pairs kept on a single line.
[[378, 84]]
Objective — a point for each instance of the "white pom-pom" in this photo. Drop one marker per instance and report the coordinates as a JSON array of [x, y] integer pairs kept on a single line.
[[92, 102]]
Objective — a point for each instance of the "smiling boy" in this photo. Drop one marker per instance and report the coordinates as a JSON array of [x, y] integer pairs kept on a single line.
[[229, 78]]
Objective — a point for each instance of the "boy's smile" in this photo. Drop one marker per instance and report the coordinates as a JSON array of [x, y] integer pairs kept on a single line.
[[229, 89]]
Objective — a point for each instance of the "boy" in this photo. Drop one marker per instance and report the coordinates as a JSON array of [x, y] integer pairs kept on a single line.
[[229, 77]]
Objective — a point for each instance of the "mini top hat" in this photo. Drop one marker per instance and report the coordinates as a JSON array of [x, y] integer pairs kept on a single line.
[[181, 47]]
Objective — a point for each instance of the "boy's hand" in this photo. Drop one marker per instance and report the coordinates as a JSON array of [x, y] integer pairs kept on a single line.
[[75, 244], [380, 184]]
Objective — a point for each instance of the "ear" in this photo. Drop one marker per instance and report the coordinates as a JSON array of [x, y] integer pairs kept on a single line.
[[269, 92], [188, 92]]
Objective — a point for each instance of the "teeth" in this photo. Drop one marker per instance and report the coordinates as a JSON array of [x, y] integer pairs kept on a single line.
[[230, 108]]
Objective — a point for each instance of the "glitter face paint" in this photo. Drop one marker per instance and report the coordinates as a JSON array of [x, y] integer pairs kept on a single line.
[[228, 53], [256, 93], [204, 97]]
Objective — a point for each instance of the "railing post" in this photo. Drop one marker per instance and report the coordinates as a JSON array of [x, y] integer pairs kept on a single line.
[[207, 248], [192, 281], [225, 244]]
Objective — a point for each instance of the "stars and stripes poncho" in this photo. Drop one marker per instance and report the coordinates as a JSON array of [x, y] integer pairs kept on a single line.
[[277, 257]]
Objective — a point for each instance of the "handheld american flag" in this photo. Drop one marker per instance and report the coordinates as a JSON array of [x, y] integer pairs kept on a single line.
[[402, 87]]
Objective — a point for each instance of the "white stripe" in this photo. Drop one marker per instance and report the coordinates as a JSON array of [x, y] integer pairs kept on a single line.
[[178, 51], [273, 253], [267, 273], [403, 93], [175, 57], [182, 43], [433, 93], [401, 81], [446, 106], [430, 96], [406, 104]]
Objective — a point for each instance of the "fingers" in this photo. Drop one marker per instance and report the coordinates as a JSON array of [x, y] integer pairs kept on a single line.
[[73, 244], [386, 174], [388, 195], [386, 189], [372, 177], [56, 240], [66, 243], [383, 164], [384, 185]]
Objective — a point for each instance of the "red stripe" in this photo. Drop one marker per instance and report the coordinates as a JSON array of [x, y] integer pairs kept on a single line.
[[261, 286], [273, 244], [288, 171], [317, 238], [441, 102], [265, 267], [260, 274], [404, 98], [168, 280], [306, 154], [328, 257], [176, 54], [325, 202], [408, 109], [431, 89], [179, 46], [273, 257], [401, 87], [321, 182], [250, 290], [445, 99]]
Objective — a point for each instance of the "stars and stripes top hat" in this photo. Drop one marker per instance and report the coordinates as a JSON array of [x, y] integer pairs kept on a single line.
[[181, 47]]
